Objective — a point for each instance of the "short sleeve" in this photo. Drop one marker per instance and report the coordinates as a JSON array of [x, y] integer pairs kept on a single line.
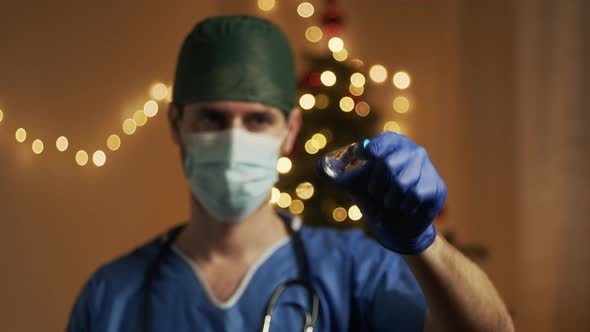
[[386, 295], [85, 306]]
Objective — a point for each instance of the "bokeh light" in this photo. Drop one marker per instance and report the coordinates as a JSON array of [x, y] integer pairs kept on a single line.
[[304, 190], [335, 44], [305, 9], [159, 91], [313, 34], [114, 142], [140, 118], [150, 108], [401, 80], [275, 193], [129, 126], [356, 91], [392, 126], [99, 158], [328, 78], [307, 101], [284, 165], [378, 74], [401, 104], [296, 206], [322, 101], [21, 135], [284, 200], [354, 213], [61, 143], [321, 139], [1, 115], [346, 104], [362, 108], [340, 55], [312, 146], [339, 214], [266, 5], [37, 146], [357, 79], [81, 157]]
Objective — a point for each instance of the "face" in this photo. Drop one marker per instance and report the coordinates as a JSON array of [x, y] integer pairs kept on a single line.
[[222, 115]]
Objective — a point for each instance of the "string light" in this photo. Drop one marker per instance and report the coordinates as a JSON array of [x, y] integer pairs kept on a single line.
[[356, 91], [401, 104], [304, 190], [140, 118], [150, 108], [114, 142], [159, 91], [37, 146], [61, 144], [328, 78], [307, 101], [322, 101], [321, 139], [266, 5], [362, 108], [305, 9], [296, 206], [392, 126], [346, 104], [354, 213], [339, 214], [1, 116], [401, 80], [284, 200], [129, 126], [81, 157], [340, 55], [284, 165], [358, 80], [313, 34], [21, 135], [275, 193], [312, 146], [335, 44], [378, 73], [99, 158]]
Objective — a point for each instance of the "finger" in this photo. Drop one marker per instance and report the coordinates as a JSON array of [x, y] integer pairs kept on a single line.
[[385, 143]]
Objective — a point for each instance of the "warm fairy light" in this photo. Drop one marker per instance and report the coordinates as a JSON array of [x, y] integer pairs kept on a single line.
[[284, 165], [401, 80], [354, 213], [275, 193], [284, 200], [169, 95], [266, 5], [159, 91], [321, 101], [328, 78], [312, 146], [140, 118], [81, 157], [357, 79], [340, 55], [357, 63], [304, 190], [362, 108], [61, 143], [1, 115], [37, 146], [321, 139], [392, 126], [346, 104], [307, 101], [356, 91], [335, 44], [339, 214], [296, 206], [21, 135], [114, 142], [129, 126], [150, 108], [305, 9], [313, 34], [401, 104], [99, 158], [378, 73]]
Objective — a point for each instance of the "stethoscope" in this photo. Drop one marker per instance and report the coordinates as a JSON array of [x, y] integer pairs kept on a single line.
[[302, 280]]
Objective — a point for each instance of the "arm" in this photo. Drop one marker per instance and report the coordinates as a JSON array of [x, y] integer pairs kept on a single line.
[[460, 296]]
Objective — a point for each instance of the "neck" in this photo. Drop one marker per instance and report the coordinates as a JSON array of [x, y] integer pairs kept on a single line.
[[205, 236]]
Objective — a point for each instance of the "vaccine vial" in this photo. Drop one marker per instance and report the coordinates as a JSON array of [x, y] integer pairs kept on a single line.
[[345, 159]]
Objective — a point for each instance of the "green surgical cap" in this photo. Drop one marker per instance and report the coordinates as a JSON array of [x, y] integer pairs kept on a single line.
[[234, 57]]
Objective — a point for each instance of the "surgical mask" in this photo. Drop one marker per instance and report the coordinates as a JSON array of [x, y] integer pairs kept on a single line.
[[231, 172]]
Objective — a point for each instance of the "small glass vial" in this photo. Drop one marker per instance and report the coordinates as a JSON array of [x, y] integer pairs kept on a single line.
[[345, 159]]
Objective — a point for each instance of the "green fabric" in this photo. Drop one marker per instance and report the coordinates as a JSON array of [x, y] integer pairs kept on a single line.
[[236, 58]]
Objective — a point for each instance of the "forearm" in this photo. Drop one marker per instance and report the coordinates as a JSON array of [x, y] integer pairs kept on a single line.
[[460, 296]]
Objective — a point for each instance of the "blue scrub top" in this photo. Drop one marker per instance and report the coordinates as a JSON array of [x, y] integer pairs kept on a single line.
[[361, 285]]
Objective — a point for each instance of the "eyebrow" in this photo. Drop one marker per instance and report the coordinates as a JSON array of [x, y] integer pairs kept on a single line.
[[246, 111]]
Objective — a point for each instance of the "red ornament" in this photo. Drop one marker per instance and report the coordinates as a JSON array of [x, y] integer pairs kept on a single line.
[[332, 19]]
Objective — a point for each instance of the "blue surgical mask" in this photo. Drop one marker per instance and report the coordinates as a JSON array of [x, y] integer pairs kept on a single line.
[[231, 172]]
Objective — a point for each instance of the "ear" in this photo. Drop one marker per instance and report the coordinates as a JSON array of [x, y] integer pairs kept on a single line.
[[293, 127], [174, 122]]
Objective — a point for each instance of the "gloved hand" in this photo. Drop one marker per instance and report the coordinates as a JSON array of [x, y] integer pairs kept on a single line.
[[398, 191]]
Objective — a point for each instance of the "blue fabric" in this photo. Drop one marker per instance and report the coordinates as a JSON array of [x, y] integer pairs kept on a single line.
[[362, 287]]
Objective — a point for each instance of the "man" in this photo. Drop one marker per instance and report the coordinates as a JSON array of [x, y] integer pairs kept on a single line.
[[231, 267]]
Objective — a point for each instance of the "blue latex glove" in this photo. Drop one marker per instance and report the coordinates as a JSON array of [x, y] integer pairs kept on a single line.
[[398, 191]]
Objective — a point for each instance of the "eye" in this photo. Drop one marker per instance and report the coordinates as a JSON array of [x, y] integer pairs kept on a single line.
[[210, 120], [258, 121]]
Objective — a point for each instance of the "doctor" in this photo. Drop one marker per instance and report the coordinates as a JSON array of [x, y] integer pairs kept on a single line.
[[238, 264]]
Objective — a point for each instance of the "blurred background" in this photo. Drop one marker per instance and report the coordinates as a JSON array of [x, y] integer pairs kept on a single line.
[[497, 91]]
